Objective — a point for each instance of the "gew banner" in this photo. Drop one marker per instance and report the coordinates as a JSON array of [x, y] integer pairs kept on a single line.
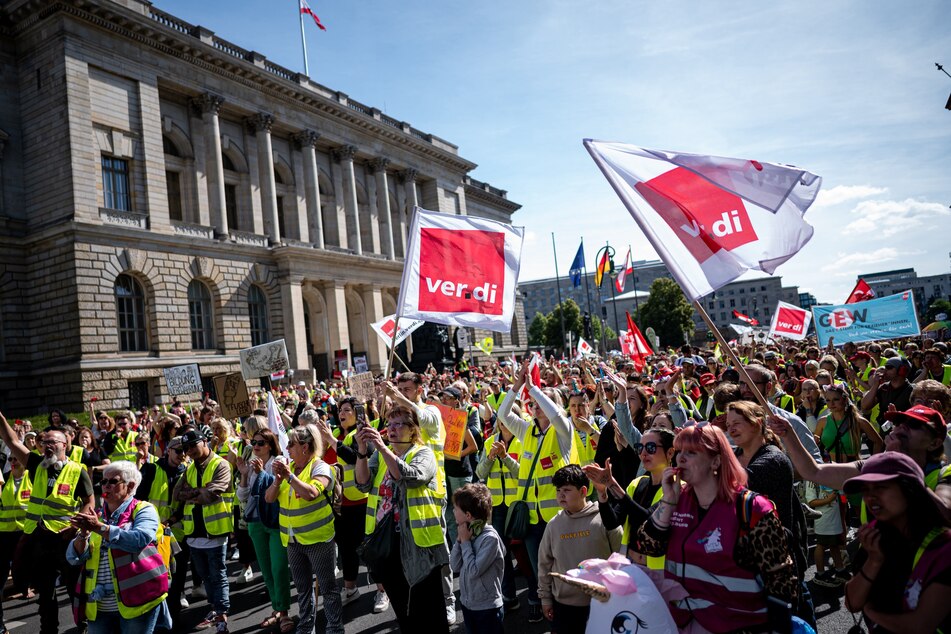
[[882, 318]]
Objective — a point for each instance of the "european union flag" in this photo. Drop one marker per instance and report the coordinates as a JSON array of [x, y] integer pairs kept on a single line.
[[576, 266]]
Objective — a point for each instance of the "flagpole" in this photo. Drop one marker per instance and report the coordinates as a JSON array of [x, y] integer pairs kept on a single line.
[[732, 354], [637, 308], [303, 42], [587, 293], [561, 307]]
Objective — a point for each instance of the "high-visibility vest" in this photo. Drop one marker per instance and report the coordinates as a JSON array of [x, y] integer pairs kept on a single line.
[[159, 495], [311, 520], [654, 563], [13, 503], [350, 490], [586, 448], [436, 444], [946, 376], [424, 503], [53, 511], [139, 580], [76, 454], [542, 495], [218, 517], [495, 401], [787, 403], [124, 449], [502, 485], [222, 451]]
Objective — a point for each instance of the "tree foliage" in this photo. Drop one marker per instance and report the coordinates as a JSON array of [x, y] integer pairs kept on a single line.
[[572, 315], [937, 307], [668, 312], [537, 330]]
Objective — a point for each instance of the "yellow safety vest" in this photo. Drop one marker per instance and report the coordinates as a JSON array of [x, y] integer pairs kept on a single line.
[[311, 520], [424, 503], [53, 511], [503, 486], [437, 444], [654, 563], [92, 573], [76, 454], [350, 490], [542, 494], [586, 448], [124, 449], [13, 503], [495, 401], [159, 495], [218, 517]]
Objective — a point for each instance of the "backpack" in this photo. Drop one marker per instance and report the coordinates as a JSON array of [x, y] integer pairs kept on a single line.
[[335, 497]]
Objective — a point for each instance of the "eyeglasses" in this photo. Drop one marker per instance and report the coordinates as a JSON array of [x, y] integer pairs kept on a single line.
[[53, 443], [112, 482], [259, 443], [397, 423], [178, 450], [650, 447]]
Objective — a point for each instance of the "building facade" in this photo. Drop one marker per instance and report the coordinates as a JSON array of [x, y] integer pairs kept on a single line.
[[168, 197], [927, 288], [756, 298]]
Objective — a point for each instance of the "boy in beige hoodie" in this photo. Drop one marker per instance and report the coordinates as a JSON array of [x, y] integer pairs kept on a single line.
[[572, 536]]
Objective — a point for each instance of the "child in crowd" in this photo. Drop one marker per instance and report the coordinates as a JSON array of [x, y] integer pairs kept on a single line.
[[572, 536], [478, 558], [828, 530]]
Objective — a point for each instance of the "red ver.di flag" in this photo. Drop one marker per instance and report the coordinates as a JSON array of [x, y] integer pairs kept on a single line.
[[710, 219], [461, 271], [790, 321]]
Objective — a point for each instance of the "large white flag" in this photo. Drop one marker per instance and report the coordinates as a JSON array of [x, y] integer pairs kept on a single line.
[[275, 423], [711, 219], [461, 271]]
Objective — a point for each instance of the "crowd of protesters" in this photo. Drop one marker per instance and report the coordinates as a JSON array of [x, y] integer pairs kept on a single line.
[[718, 475]]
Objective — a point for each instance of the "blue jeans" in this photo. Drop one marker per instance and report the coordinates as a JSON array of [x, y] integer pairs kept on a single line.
[[453, 483], [210, 564], [532, 541], [109, 622], [508, 571]]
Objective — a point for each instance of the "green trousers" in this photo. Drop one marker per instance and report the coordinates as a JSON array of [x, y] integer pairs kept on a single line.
[[272, 559]]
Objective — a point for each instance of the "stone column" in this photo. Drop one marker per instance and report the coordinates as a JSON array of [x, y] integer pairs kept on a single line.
[[292, 310], [208, 105], [373, 307], [307, 141], [261, 124], [337, 324], [378, 166], [345, 156], [408, 178], [374, 209]]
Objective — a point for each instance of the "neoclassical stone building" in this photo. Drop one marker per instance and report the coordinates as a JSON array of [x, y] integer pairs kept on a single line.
[[168, 197]]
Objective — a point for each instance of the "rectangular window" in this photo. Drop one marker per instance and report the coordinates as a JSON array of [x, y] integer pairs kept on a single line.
[[115, 184], [766, 311], [173, 184], [722, 305], [723, 317], [743, 301], [280, 217], [732, 303], [231, 206], [139, 394]]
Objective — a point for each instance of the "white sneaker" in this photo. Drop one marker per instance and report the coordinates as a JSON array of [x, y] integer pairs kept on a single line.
[[236, 555], [348, 595], [244, 577], [381, 603], [183, 602], [451, 614], [198, 592]]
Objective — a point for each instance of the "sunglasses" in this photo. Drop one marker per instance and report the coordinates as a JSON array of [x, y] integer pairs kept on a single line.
[[141, 444], [650, 447], [259, 443], [178, 450], [912, 423], [112, 482]]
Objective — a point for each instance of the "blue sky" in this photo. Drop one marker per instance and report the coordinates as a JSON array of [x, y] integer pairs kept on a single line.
[[847, 90]]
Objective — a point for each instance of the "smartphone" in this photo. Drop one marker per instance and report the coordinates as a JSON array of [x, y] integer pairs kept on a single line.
[[361, 414]]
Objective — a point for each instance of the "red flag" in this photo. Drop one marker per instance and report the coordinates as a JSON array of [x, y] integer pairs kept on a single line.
[[634, 345], [534, 376], [746, 318], [305, 9], [862, 292], [603, 267], [622, 276]]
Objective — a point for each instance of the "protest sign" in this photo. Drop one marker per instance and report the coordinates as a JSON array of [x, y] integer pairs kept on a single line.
[[264, 360], [883, 318], [454, 422], [790, 321], [360, 363], [183, 379], [361, 386], [233, 395], [462, 338]]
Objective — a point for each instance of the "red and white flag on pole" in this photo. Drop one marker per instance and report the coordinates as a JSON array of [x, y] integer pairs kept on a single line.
[[622, 276], [634, 344], [275, 424], [861, 293], [306, 10], [746, 318], [584, 348], [460, 271], [710, 219], [534, 376], [790, 321]]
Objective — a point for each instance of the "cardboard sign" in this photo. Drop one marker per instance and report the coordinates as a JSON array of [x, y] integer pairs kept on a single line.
[[454, 422], [264, 360], [183, 379], [361, 386], [233, 395]]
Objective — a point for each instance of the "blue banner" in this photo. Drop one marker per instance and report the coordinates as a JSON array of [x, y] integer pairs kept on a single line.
[[883, 318], [576, 266]]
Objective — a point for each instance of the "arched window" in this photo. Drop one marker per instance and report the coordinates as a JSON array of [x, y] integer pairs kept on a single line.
[[130, 315], [200, 316], [257, 316]]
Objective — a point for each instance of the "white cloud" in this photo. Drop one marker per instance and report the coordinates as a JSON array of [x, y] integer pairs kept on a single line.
[[890, 217], [846, 264], [844, 193]]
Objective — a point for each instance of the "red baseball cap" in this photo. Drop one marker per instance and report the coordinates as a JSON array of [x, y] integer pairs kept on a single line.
[[860, 355], [920, 415], [707, 378]]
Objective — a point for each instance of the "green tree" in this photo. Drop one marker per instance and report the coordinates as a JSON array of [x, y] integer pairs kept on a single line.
[[573, 323], [667, 312], [536, 330], [937, 307], [596, 326]]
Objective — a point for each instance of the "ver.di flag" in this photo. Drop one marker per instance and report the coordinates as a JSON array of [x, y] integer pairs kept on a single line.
[[745, 318], [710, 219], [460, 271], [790, 321], [384, 328]]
